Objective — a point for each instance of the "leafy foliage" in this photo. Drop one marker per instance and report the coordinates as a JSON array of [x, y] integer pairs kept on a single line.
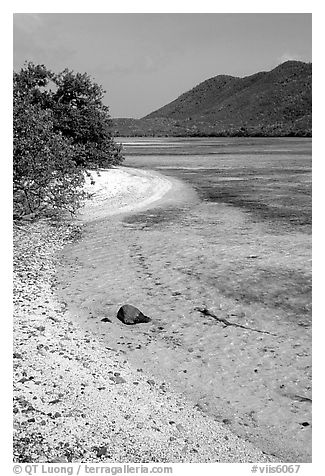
[[45, 173], [59, 134], [82, 117]]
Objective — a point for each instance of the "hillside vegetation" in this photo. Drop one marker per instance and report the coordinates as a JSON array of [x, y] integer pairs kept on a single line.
[[273, 103]]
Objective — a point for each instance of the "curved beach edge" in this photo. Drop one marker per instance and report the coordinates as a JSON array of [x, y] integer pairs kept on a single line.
[[123, 190]]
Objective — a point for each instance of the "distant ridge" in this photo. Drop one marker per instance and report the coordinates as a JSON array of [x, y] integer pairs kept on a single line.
[[272, 103]]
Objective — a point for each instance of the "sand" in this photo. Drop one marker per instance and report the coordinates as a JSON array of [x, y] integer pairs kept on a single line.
[[76, 399], [121, 190]]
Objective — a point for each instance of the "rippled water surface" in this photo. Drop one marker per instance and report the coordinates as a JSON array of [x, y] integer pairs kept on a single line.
[[239, 247]]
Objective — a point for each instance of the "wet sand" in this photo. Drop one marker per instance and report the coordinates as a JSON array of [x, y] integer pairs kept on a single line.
[[254, 382], [120, 191]]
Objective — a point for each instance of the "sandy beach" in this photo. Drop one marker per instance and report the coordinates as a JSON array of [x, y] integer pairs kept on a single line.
[[121, 190], [76, 399]]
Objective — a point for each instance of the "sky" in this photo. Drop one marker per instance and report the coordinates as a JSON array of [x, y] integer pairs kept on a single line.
[[146, 60]]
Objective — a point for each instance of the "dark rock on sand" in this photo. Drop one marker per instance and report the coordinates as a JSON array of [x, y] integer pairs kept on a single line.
[[117, 379], [131, 315], [102, 451], [305, 423], [105, 319]]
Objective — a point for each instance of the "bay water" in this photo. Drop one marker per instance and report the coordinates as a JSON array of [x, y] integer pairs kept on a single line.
[[223, 267]]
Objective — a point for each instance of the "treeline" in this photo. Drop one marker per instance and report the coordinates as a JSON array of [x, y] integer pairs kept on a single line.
[[126, 127], [61, 130]]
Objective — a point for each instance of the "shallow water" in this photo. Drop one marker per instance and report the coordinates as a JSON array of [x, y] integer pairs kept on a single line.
[[240, 247], [269, 178]]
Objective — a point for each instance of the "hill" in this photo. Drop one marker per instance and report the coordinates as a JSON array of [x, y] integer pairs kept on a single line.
[[272, 103]]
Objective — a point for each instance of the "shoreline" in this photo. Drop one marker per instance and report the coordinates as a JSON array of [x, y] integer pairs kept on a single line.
[[79, 401], [123, 190]]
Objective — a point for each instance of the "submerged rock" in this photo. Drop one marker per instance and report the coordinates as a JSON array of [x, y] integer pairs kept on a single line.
[[131, 315]]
